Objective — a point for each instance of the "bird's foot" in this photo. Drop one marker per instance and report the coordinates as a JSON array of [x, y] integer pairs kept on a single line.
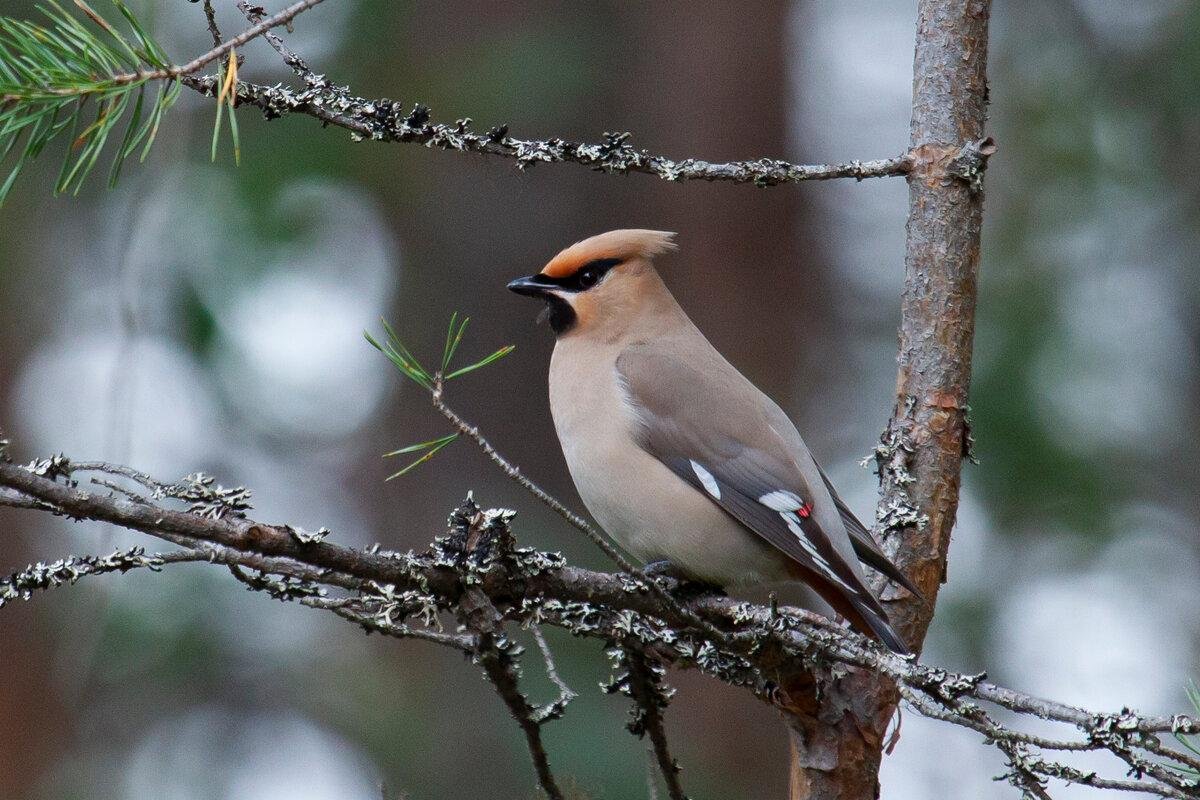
[[661, 568], [684, 586]]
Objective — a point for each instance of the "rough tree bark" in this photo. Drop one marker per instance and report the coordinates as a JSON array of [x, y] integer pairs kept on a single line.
[[837, 741]]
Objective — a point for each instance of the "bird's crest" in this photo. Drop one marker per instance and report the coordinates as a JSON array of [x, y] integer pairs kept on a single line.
[[621, 245]]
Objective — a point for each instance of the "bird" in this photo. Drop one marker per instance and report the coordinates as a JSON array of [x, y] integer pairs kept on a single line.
[[680, 458]]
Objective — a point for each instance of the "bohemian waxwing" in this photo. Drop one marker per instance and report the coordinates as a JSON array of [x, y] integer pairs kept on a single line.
[[678, 456]]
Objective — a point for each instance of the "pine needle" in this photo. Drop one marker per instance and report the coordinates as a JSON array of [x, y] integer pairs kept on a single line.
[[51, 71], [408, 365]]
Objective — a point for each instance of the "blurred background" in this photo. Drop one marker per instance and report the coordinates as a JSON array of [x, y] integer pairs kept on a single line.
[[203, 316]]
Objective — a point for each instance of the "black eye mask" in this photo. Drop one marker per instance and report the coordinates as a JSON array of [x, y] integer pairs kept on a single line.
[[558, 311], [586, 276]]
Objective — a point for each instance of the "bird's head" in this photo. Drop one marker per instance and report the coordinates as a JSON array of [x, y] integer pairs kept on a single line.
[[598, 281]]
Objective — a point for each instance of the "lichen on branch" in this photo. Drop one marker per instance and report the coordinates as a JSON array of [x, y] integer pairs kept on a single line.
[[479, 574]]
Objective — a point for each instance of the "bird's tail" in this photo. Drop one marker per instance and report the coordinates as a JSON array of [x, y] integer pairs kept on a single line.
[[871, 620], [860, 608]]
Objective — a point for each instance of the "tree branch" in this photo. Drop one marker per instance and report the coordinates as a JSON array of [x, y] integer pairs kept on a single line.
[[114, 74], [384, 120], [255, 15], [210, 16], [643, 682], [479, 566], [556, 708], [576, 521], [42, 577], [497, 655], [218, 51]]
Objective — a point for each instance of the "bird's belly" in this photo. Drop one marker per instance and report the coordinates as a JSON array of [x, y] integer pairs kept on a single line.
[[649, 510], [654, 515]]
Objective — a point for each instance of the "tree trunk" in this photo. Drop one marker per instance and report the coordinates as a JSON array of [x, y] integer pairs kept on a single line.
[[836, 742]]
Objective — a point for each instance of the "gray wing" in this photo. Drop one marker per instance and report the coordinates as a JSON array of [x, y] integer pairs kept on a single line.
[[868, 550], [709, 426]]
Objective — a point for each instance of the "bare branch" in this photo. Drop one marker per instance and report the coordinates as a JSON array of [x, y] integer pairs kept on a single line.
[[374, 613], [497, 655], [210, 15], [255, 15], [42, 577], [642, 681], [199, 62], [566, 694], [220, 50], [479, 566], [384, 120], [13, 499]]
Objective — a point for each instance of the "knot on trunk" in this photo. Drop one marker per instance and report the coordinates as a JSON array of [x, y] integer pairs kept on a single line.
[[937, 163]]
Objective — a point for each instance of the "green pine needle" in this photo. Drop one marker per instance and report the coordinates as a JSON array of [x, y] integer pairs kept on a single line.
[[441, 441], [454, 336], [62, 79], [227, 80], [496, 356], [431, 447], [403, 359]]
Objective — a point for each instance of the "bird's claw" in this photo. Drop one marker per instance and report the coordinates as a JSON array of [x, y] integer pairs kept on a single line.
[[684, 586], [659, 569]]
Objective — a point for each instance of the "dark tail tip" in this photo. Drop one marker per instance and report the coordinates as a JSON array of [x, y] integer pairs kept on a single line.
[[883, 630], [889, 637]]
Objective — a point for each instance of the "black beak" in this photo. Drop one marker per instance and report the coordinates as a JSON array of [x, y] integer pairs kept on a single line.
[[532, 285]]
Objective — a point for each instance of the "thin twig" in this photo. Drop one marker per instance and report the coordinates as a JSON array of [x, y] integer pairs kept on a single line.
[[43, 577], [210, 15], [400, 631], [116, 487], [1028, 766], [493, 652], [199, 62], [646, 690], [13, 499], [566, 694], [118, 469], [274, 21], [290, 57], [348, 608], [383, 120]]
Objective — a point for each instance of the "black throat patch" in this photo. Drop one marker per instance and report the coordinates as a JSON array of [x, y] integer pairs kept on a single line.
[[558, 311], [560, 315]]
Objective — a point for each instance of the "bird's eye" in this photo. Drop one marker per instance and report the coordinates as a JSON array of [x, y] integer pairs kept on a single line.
[[590, 274]]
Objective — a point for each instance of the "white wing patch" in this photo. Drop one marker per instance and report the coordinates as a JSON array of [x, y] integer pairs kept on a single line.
[[781, 500], [706, 480], [822, 564]]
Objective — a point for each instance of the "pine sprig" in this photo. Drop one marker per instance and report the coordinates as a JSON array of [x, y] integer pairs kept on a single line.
[[227, 95], [403, 359], [66, 79], [430, 449]]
